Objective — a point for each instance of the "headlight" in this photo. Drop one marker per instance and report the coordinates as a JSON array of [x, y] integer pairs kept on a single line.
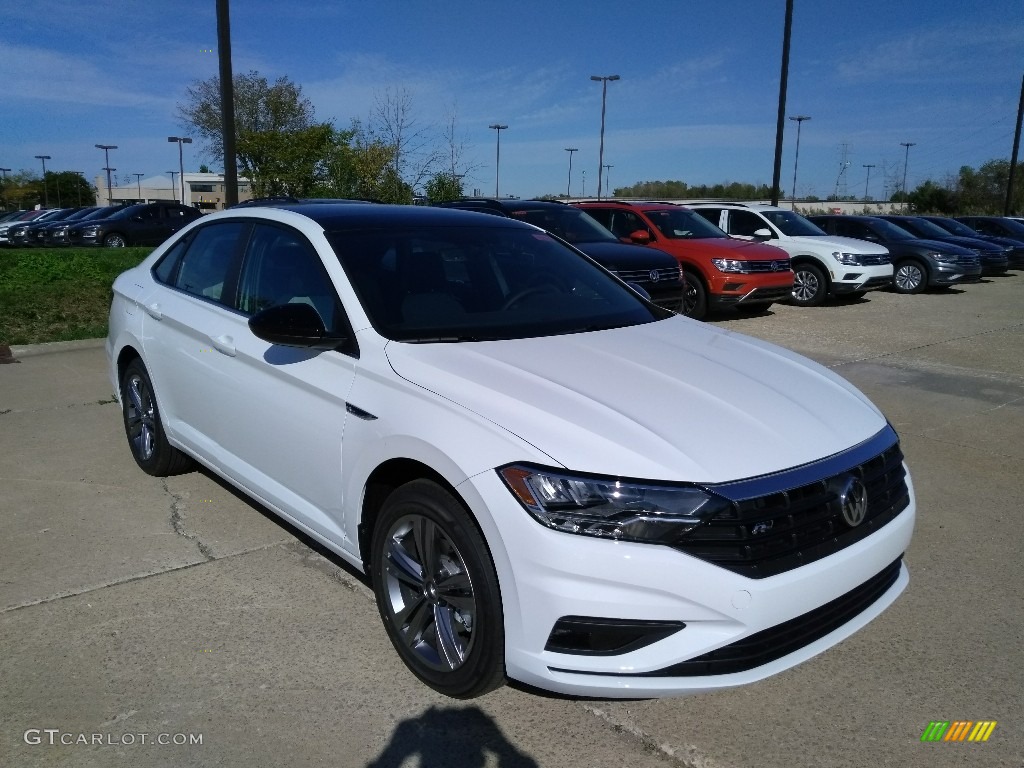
[[847, 259], [90, 231], [945, 258], [730, 265], [610, 508]]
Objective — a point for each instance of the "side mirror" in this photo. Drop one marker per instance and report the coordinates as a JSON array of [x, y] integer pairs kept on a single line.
[[293, 325], [640, 237], [763, 234]]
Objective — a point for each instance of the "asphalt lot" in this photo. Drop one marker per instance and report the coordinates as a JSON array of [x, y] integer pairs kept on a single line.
[[133, 607]]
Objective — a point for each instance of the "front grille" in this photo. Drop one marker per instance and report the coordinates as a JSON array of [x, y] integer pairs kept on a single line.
[[873, 259], [667, 275], [970, 261], [769, 534], [778, 641], [768, 265]]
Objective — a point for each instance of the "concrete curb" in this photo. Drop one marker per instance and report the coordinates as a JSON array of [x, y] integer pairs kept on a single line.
[[31, 350]]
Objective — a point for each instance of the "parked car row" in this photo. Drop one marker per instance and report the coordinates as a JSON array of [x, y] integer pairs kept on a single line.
[[111, 226]]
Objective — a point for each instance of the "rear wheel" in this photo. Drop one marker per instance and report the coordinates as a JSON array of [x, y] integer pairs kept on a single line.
[[437, 591], [143, 428], [695, 298], [909, 277], [809, 286]]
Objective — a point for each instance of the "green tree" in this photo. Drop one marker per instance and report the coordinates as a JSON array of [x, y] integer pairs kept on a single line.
[[930, 197], [285, 162], [444, 186]]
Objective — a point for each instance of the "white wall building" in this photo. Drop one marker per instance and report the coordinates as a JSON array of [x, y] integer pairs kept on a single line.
[[202, 190]]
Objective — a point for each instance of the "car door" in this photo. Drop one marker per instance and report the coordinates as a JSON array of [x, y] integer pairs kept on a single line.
[[283, 420], [744, 224], [146, 227], [175, 217]]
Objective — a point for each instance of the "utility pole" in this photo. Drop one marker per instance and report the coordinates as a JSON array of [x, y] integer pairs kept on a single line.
[[227, 106], [906, 160], [607, 176], [568, 189], [780, 123], [1013, 157], [869, 167]]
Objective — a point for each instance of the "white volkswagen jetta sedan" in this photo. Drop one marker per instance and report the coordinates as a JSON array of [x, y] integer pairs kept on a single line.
[[545, 476]]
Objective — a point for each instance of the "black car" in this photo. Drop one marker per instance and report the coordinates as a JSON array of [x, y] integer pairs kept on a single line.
[[995, 259], [656, 272], [22, 234], [916, 263], [57, 233], [1001, 226], [142, 224], [38, 229], [1015, 247]]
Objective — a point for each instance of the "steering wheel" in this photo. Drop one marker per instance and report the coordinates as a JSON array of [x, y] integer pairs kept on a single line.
[[551, 284]]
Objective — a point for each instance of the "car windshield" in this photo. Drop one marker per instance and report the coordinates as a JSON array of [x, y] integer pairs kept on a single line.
[[681, 224], [103, 213], [792, 224], [570, 224], [928, 229], [446, 284], [890, 231], [955, 227]]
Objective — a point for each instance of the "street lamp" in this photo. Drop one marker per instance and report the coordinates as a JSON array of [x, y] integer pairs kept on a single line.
[[106, 155], [607, 177], [5, 171], [497, 160], [174, 184], [82, 174], [906, 159], [46, 194], [867, 181], [604, 97], [138, 180], [181, 162], [799, 122], [568, 189]]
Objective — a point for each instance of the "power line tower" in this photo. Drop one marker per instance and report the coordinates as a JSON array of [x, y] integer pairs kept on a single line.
[[890, 179]]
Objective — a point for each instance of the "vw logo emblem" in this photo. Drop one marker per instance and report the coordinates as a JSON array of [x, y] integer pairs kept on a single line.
[[853, 502], [653, 274], [776, 266]]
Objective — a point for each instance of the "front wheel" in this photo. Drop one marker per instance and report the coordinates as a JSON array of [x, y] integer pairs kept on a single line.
[[695, 298], [809, 286], [115, 240], [437, 591], [909, 277]]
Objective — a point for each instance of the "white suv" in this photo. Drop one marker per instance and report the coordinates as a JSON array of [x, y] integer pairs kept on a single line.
[[822, 264]]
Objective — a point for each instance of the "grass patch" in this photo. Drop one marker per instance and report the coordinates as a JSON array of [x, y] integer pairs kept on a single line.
[[59, 294]]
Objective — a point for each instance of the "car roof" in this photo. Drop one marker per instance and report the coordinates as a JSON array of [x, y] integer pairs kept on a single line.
[[351, 215]]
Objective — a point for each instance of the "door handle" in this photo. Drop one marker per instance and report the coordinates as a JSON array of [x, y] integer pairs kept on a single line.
[[153, 310], [224, 344]]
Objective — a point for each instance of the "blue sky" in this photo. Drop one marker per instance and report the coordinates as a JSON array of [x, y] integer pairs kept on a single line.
[[697, 100]]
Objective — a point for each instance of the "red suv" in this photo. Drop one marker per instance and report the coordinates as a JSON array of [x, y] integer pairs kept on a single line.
[[720, 271]]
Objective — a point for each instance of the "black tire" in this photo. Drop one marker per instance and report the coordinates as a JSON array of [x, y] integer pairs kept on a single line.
[[810, 288], [143, 427], [115, 240], [695, 297], [909, 276], [437, 591], [753, 309]]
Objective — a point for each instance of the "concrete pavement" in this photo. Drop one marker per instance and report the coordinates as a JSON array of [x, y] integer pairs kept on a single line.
[[132, 607]]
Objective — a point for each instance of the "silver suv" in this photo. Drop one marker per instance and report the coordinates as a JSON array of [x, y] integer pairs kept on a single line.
[[823, 264]]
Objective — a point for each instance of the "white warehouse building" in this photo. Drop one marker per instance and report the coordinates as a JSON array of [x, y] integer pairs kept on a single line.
[[202, 190]]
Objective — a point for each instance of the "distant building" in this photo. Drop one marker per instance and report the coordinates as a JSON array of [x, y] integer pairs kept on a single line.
[[204, 191]]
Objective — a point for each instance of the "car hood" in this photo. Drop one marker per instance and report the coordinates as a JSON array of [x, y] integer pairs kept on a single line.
[[844, 244], [616, 256], [725, 247], [669, 400], [939, 246], [973, 243]]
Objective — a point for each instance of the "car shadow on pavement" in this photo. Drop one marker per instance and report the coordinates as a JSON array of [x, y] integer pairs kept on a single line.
[[451, 737]]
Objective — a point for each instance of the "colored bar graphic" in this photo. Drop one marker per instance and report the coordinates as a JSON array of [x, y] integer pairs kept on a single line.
[[959, 730]]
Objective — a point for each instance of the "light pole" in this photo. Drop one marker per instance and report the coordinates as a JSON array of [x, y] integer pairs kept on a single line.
[[867, 181], [497, 160], [906, 159], [603, 79], [568, 189], [82, 174], [138, 181], [181, 162], [4, 171], [174, 184], [607, 177], [799, 122], [584, 191], [106, 155], [46, 193]]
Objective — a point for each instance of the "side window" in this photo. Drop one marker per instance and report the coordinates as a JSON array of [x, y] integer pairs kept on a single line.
[[625, 223], [601, 215], [207, 263], [745, 223], [281, 267], [167, 267], [149, 214], [714, 215]]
